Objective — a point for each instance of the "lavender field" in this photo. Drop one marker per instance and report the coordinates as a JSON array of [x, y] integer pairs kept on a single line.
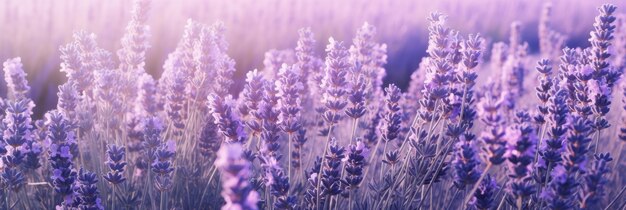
[[347, 105]]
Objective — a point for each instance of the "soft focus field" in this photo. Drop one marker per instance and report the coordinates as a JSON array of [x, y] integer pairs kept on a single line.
[[34, 29]]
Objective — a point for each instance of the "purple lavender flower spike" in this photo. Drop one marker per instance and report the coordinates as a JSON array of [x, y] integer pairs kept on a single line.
[[334, 82], [225, 119], [331, 171], [466, 162], [485, 196], [88, 195], [253, 94], [135, 41], [60, 139], [391, 119], [15, 77], [289, 99], [162, 166], [235, 170], [115, 162], [593, 188], [209, 141], [521, 141]]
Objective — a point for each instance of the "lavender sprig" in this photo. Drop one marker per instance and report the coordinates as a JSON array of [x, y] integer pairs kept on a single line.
[[225, 119], [593, 188], [162, 166], [209, 142], [61, 139], [253, 93], [521, 140], [484, 198], [15, 77], [235, 170], [115, 162], [334, 82], [87, 192]]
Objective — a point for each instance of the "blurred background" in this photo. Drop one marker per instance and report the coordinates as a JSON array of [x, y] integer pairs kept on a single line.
[[34, 29]]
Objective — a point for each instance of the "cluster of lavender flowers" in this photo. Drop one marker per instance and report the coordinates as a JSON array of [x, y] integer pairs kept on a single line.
[[320, 131]]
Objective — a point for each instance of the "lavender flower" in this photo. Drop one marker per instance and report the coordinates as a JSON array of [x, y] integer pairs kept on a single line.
[[472, 52], [72, 66], [357, 96], [135, 40], [153, 128], [493, 137], [556, 130], [575, 157], [354, 166], [186, 48], [253, 93], [277, 183], [604, 75], [289, 87], [18, 123], [305, 57], [235, 170], [68, 99], [550, 41], [334, 82], [17, 132], [331, 171], [280, 190], [274, 59], [162, 166], [209, 142], [559, 193], [601, 39], [521, 141], [224, 78], [391, 119], [271, 129], [544, 89], [88, 195], [176, 96], [115, 162], [312, 190], [484, 198], [15, 77], [466, 162], [439, 71], [146, 103], [225, 119], [61, 139], [32, 152], [592, 190]]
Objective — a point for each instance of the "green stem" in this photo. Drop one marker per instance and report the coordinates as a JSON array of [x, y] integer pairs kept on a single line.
[[289, 158], [163, 203], [382, 167], [319, 174]]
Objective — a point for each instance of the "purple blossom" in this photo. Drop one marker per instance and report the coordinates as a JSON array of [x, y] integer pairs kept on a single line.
[[289, 99], [15, 77], [334, 82], [68, 99], [235, 170], [227, 122], [88, 195], [135, 41], [116, 164], [61, 139]]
